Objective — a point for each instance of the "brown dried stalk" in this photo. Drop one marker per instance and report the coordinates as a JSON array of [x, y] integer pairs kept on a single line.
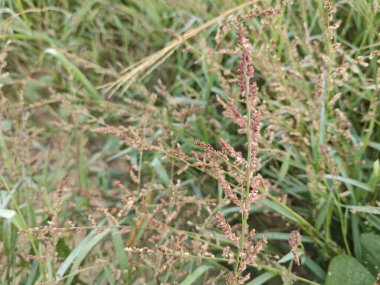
[[146, 65]]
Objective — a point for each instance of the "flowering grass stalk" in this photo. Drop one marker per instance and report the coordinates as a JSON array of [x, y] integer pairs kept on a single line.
[[246, 70], [250, 125]]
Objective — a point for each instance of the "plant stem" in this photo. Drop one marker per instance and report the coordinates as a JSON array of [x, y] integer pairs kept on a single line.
[[245, 210]]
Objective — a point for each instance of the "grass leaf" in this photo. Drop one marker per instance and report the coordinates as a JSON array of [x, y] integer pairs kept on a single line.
[[194, 276]]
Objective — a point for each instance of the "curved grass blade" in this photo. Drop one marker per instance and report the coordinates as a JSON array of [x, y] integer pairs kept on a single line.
[[71, 68], [76, 257], [193, 277]]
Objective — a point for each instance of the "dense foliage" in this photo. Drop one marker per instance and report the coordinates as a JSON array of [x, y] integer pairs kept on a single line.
[[189, 142]]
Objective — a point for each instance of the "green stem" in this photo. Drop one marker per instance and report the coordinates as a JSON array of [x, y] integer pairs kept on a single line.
[[245, 210], [140, 167], [280, 272]]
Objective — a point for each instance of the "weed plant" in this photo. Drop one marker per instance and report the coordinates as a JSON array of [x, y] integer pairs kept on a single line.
[[189, 142]]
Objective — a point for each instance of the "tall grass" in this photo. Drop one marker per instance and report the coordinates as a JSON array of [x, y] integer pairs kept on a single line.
[[113, 170]]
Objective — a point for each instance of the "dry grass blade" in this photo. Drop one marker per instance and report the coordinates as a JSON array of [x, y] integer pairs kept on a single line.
[[143, 67]]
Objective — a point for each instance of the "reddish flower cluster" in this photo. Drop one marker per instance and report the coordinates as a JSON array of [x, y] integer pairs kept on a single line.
[[231, 111], [226, 228], [249, 125], [228, 191]]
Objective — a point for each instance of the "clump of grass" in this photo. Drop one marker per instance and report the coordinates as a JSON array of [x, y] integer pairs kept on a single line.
[[95, 95]]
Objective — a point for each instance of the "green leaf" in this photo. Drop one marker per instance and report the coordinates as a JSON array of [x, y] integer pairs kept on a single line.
[[76, 257], [262, 278], [192, 277], [14, 218], [349, 181], [280, 209], [347, 270], [373, 220], [364, 209], [118, 244], [62, 249], [161, 171], [314, 267], [375, 176], [72, 69], [374, 145], [5, 125], [280, 236], [82, 161], [32, 274], [290, 256], [371, 252], [7, 161], [355, 222], [284, 167], [7, 214]]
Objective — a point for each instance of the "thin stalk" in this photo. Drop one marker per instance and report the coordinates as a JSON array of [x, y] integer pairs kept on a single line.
[[280, 272], [245, 210], [142, 126], [139, 171]]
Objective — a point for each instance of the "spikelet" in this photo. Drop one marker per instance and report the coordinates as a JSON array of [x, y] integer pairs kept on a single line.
[[228, 191], [226, 228], [295, 242]]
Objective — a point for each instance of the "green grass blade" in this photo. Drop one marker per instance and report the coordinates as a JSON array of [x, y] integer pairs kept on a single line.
[[262, 278], [194, 276], [72, 69]]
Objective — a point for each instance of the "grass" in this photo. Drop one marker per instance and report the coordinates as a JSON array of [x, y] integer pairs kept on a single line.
[[101, 92]]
